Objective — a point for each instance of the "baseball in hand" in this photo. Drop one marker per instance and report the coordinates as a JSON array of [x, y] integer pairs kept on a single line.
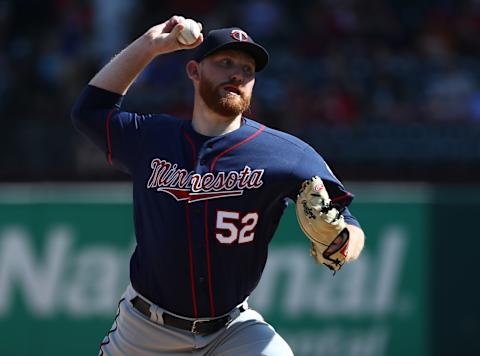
[[190, 33]]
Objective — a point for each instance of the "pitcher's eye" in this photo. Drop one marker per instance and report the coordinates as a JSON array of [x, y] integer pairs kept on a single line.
[[248, 69], [226, 62]]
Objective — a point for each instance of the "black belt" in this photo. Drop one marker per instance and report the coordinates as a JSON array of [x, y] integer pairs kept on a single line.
[[199, 326]]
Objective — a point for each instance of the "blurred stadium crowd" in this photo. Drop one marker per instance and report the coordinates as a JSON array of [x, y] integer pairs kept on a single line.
[[383, 89]]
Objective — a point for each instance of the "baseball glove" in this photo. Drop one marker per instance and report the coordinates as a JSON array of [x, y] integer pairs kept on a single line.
[[323, 224]]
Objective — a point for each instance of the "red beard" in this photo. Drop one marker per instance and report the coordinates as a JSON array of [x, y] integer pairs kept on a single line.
[[229, 105]]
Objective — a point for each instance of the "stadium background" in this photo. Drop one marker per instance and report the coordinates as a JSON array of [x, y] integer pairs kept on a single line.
[[387, 91]]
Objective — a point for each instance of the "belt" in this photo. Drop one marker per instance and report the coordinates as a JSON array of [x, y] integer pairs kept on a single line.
[[197, 326]]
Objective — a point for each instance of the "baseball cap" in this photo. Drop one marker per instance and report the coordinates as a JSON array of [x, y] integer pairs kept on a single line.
[[232, 38]]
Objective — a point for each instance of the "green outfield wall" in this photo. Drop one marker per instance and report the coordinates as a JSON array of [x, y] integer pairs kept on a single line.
[[64, 252]]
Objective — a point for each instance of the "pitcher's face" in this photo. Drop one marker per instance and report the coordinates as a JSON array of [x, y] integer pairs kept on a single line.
[[226, 81]]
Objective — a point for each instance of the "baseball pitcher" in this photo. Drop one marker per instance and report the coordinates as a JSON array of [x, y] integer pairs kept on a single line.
[[208, 194]]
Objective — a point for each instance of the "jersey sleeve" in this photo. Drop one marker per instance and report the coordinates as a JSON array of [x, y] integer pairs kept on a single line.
[[117, 133], [310, 164]]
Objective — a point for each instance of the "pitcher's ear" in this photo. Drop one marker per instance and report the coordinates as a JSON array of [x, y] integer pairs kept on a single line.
[[192, 70]]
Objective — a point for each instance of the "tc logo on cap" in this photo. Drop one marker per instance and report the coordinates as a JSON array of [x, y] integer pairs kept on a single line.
[[239, 35]]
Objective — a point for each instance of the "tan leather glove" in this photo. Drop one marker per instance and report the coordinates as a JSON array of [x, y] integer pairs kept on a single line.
[[323, 224]]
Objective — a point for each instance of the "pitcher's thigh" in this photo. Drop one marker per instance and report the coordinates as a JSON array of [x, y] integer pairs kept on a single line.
[[251, 335], [132, 334]]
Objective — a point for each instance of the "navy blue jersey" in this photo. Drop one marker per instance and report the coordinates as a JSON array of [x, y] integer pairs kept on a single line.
[[205, 208]]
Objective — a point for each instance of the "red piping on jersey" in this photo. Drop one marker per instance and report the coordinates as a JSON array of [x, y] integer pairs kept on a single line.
[[258, 132], [342, 197], [192, 275], [109, 143], [194, 150], [209, 264], [212, 166], [189, 230]]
